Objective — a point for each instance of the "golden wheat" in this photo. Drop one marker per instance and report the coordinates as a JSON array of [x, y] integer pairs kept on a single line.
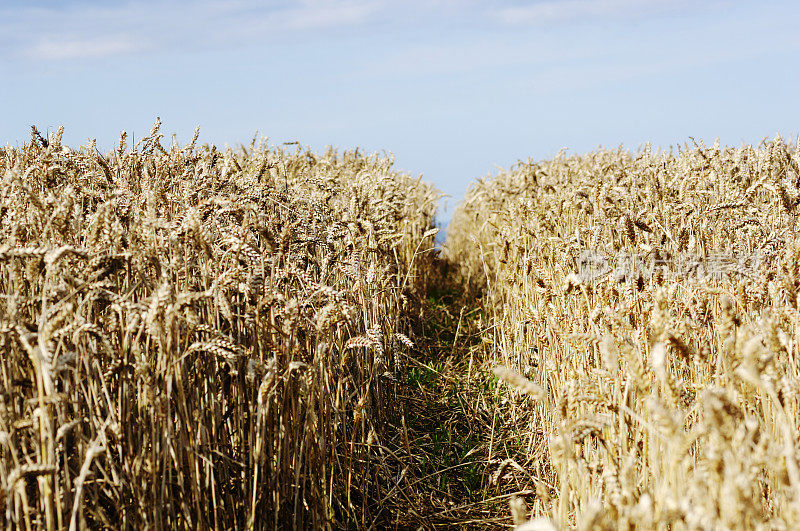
[[653, 297], [176, 332]]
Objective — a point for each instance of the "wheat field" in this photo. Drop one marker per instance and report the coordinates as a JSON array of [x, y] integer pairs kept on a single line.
[[268, 338], [195, 338], [647, 328]]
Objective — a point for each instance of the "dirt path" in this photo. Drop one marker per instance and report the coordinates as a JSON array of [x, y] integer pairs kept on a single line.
[[446, 444]]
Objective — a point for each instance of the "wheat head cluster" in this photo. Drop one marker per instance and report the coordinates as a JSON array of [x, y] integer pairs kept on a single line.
[[197, 338], [657, 396]]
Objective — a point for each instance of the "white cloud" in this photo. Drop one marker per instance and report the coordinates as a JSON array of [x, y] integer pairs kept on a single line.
[[56, 49], [121, 29], [550, 11], [326, 14]]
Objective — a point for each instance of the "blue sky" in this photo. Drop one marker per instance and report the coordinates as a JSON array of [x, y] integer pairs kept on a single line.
[[455, 89]]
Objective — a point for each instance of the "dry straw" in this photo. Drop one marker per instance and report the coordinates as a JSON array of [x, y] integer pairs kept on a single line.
[[174, 332], [654, 297]]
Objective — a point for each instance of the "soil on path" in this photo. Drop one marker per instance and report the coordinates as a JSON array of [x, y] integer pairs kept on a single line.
[[445, 446]]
